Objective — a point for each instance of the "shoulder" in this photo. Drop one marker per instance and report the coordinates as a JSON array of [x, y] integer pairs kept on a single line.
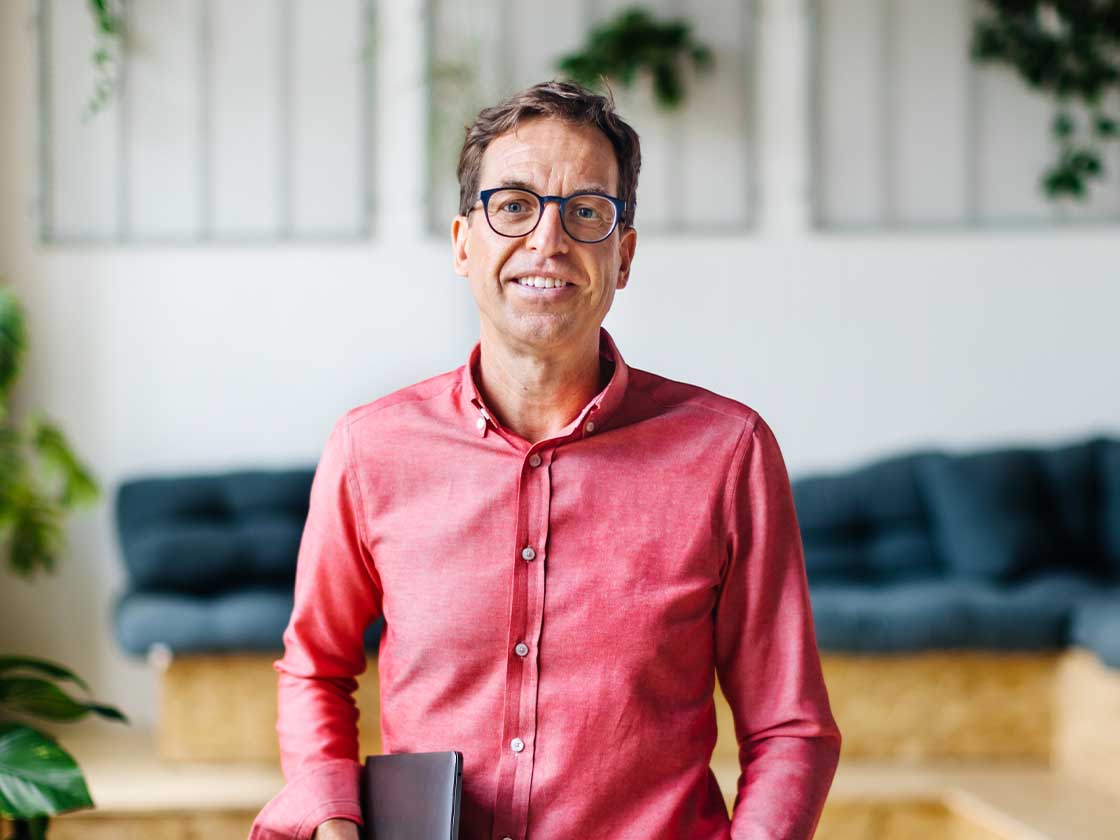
[[685, 401], [421, 398]]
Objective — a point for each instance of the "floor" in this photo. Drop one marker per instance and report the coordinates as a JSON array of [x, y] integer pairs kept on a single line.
[[137, 795]]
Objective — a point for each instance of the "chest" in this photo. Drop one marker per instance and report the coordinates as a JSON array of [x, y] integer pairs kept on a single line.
[[622, 540]]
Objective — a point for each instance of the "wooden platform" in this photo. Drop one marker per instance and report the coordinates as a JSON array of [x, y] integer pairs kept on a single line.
[[920, 707], [141, 797], [938, 746]]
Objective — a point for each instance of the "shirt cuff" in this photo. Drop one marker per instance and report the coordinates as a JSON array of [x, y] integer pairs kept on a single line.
[[324, 791]]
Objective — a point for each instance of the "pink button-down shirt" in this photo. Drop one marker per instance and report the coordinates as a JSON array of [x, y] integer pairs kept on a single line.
[[558, 612]]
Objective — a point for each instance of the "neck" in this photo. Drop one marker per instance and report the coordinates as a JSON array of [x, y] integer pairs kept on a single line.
[[536, 394]]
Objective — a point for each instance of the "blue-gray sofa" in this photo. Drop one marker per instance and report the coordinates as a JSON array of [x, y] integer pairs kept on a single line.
[[1002, 549]]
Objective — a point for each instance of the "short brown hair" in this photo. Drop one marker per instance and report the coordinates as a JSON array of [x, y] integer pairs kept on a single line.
[[562, 100]]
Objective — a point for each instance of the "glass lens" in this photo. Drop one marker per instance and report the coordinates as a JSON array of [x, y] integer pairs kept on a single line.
[[513, 212], [589, 217]]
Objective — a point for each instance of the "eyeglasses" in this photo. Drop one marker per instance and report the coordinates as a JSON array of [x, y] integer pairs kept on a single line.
[[586, 216]]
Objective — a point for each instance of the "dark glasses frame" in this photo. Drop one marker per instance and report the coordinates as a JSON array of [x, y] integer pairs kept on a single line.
[[561, 200]]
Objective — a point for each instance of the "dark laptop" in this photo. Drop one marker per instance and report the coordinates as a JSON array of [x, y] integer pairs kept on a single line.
[[411, 796]]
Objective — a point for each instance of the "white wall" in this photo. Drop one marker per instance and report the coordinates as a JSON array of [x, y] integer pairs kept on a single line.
[[852, 346]]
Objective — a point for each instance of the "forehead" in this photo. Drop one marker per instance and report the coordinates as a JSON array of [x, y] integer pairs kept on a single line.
[[551, 154]]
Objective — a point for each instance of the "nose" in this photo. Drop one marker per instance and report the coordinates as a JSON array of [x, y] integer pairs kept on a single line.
[[549, 236]]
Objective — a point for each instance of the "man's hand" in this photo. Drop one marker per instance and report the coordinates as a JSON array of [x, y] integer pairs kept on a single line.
[[337, 829]]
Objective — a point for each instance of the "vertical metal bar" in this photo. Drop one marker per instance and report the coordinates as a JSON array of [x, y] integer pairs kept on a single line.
[[430, 10], [505, 38], [46, 170], [124, 144], [368, 21], [587, 15], [1116, 158], [284, 120], [888, 36], [205, 59], [973, 111], [674, 130], [748, 80], [814, 121]]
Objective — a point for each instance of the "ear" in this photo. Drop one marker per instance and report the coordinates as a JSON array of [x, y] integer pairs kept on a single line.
[[628, 241], [460, 232]]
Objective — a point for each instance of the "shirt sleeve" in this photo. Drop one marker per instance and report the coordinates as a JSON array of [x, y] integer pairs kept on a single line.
[[766, 653], [337, 596]]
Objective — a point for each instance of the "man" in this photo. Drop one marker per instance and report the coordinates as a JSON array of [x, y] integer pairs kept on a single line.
[[567, 551]]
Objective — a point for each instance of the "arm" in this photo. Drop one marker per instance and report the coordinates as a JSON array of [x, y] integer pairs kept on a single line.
[[766, 654], [336, 830], [337, 595]]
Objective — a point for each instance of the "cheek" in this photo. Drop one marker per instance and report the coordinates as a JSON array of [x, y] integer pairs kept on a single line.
[[485, 257]]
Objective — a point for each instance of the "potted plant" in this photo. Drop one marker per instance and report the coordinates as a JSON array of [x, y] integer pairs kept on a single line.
[[1070, 50], [108, 22], [634, 42], [38, 778]]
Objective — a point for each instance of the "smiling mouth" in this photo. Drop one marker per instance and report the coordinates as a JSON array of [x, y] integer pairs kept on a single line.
[[535, 282]]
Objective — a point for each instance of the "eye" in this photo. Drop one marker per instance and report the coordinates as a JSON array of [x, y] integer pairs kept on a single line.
[[512, 207], [589, 213]]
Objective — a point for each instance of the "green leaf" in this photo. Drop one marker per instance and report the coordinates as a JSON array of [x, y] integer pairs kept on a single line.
[[106, 21], [1086, 162], [37, 776], [36, 536], [78, 485], [51, 669], [13, 340], [40, 698], [34, 696], [107, 712], [1107, 127], [702, 57], [1063, 124], [13, 469]]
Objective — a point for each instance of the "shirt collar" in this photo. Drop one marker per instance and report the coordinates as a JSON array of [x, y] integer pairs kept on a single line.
[[601, 406]]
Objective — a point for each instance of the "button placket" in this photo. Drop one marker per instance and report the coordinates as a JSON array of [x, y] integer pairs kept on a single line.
[[516, 766], [538, 532]]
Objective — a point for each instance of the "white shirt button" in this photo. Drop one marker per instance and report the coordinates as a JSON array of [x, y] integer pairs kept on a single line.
[[517, 745], [507, 837], [480, 423], [528, 553], [521, 649], [589, 426], [534, 460]]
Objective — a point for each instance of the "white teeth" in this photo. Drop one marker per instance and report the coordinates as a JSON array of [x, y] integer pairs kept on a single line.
[[542, 282]]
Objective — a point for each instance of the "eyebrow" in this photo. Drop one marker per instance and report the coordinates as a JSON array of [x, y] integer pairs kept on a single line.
[[525, 185]]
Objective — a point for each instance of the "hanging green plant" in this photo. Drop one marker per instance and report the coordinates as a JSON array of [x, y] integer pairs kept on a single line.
[[108, 20], [632, 42], [1069, 49]]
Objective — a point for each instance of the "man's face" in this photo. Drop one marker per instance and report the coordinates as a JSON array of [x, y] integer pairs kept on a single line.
[[552, 157]]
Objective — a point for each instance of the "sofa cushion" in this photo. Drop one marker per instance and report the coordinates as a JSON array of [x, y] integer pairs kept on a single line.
[[1108, 509], [245, 619], [868, 524], [202, 534], [1096, 626], [1073, 474], [992, 513], [948, 614]]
